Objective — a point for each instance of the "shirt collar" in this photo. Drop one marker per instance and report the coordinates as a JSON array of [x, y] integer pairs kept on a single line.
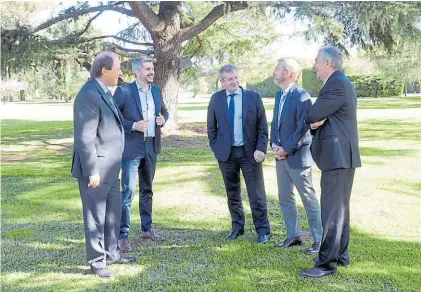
[[103, 86], [140, 88], [285, 92], [328, 77], [237, 92]]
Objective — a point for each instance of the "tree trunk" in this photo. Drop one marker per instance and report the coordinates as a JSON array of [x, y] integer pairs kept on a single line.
[[167, 76], [22, 95]]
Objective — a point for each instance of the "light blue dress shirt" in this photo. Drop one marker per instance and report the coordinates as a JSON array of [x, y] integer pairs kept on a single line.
[[148, 108], [238, 116]]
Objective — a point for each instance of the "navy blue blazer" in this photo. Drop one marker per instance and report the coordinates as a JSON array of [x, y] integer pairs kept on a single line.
[[335, 144], [255, 127], [128, 101], [288, 134]]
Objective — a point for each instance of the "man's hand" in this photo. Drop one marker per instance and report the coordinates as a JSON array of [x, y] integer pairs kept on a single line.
[[94, 180], [259, 156], [279, 153], [141, 126], [160, 120], [315, 125]]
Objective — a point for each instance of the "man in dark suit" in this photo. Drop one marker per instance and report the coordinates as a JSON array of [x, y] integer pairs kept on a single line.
[[335, 150], [98, 145], [292, 154], [144, 113], [238, 136]]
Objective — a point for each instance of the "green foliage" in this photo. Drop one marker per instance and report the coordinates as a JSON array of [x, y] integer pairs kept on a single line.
[[377, 86], [267, 87], [365, 85], [310, 82], [368, 25]]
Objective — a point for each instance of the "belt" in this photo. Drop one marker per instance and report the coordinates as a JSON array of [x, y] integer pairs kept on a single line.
[[148, 138], [237, 146]]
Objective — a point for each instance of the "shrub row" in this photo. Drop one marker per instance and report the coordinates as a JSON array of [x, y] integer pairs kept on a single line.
[[365, 85]]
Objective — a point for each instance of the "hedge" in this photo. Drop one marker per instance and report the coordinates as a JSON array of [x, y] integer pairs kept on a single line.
[[365, 85], [267, 87]]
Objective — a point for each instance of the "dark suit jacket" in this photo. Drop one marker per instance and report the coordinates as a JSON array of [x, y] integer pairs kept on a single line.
[[335, 143], [287, 134], [255, 127], [98, 134], [128, 101]]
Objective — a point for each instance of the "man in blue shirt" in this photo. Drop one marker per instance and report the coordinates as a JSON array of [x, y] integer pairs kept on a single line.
[[238, 136]]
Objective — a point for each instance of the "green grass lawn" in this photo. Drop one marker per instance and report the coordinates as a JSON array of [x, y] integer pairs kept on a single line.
[[42, 247]]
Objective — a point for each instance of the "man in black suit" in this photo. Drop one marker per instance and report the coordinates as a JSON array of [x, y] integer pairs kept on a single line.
[[336, 152], [144, 113], [98, 145], [238, 137]]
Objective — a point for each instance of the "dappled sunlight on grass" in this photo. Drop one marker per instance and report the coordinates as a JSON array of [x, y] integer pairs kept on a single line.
[[42, 228]]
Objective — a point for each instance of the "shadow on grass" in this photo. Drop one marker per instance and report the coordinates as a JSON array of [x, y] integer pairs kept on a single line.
[[375, 130], [43, 242]]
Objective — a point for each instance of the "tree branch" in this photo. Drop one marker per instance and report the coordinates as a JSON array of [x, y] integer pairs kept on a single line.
[[146, 15], [217, 12], [80, 12], [79, 40], [120, 48], [78, 34]]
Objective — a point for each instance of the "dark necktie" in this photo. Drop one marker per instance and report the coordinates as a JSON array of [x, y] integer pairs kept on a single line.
[[231, 109], [110, 98]]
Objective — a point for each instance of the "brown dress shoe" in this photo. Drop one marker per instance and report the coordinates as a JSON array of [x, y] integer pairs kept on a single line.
[[124, 245], [150, 235], [290, 242]]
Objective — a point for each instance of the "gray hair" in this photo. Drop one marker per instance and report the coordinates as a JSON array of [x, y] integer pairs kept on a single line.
[[226, 69], [138, 63], [292, 65], [105, 60], [334, 55]]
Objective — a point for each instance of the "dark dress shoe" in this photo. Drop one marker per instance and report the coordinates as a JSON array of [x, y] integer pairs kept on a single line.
[[316, 259], [103, 272], [234, 234], [314, 249], [316, 273], [289, 242], [263, 238], [122, 260]]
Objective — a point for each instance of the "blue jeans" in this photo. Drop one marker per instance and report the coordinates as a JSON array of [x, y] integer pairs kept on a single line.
[[143, 166]]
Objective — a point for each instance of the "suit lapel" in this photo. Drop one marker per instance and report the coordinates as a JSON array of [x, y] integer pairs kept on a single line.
[[155, 96], [286, 103], [107, 100], [276, 109], [136, 97], [246, 101], [223, 104]]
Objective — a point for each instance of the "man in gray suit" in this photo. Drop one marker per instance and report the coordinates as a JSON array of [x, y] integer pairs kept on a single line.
[[292, 153], [97, 150], [335, 150]]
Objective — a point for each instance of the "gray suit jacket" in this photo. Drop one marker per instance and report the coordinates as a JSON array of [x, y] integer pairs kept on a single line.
[[98, 134], [335, 143]]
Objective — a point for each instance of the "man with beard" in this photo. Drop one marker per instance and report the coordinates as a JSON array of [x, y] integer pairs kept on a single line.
[[238, 136], [292, 153], [98, 144], [144, 114]]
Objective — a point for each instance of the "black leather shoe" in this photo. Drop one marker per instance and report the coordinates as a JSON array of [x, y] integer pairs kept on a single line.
[[103, 272], [234, 234], [263, 238], [316, 259], [316, 273], [122, 260], [314, 249], [289, 242]]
